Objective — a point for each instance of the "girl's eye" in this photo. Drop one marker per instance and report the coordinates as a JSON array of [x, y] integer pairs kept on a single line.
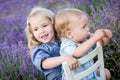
[[35, 29], [45, 25]]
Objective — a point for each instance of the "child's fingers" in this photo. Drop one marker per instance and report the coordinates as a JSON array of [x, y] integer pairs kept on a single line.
[[70, 67], [75, 65], [108, 33], [101, 42], [78, 65]]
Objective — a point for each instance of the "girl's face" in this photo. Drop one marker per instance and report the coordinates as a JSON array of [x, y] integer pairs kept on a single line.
[[42, 28], [79, 29]]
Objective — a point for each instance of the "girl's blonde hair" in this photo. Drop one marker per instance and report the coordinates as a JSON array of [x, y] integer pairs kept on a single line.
[[32, 41], [63, 20]]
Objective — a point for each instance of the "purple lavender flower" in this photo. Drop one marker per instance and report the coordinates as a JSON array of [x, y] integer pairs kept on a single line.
[[15, 62]]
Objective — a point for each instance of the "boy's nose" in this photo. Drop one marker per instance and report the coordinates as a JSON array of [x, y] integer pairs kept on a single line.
[[87, 28]]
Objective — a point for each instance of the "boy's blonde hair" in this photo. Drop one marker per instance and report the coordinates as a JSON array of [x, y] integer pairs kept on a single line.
[[63, 20], [32, 41]]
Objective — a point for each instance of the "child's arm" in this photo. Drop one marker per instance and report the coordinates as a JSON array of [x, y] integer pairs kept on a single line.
[[88, 44], [56, 61], [42, 60]]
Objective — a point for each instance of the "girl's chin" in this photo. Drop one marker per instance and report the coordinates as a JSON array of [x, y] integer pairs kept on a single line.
[[45, 41]]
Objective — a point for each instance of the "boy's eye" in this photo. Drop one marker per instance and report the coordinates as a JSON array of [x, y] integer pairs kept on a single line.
[[84, 27]]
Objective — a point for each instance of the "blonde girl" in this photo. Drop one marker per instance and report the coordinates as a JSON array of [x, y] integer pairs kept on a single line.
[[44, 45]]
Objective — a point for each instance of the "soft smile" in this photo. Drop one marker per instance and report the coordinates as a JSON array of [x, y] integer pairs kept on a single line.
[[45, 36]]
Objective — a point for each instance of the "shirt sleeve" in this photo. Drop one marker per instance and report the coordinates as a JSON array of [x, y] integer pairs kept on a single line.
[[38, 57], [67, 50]]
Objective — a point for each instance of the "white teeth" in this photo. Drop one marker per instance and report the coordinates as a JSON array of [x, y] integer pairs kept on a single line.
[[44, 36]]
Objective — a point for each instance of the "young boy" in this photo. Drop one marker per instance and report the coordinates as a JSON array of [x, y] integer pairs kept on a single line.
[[71, 26]]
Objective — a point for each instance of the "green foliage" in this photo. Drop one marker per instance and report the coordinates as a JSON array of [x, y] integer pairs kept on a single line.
[[11, 67], [112, 60]]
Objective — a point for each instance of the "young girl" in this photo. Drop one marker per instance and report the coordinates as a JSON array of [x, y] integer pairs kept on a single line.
[[44, 45], [71, 26]]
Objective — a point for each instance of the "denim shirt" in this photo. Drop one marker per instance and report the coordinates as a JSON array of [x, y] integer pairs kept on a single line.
[[67, 48], [43, 51]]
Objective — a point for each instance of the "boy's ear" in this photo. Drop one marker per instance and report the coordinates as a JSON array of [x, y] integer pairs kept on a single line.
[[68, 34]]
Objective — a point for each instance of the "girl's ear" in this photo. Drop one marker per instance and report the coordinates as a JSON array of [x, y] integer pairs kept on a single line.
[[68, 34]]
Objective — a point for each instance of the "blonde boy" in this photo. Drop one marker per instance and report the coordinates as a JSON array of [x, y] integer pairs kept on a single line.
[[71, 26]]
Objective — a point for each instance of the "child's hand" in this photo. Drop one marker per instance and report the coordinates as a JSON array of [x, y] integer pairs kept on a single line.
[[99, 34], [73, 63], [108, 34]]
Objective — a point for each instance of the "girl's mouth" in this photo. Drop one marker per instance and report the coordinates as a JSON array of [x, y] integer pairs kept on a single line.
[[44, 36]]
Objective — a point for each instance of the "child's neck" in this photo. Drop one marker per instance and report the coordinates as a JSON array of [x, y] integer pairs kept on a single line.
[[54, 40]]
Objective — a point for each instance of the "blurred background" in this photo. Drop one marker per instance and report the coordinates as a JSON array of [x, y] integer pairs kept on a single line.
[[15, 62]]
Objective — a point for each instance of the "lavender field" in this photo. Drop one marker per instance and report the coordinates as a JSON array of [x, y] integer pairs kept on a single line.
[[15, 62]]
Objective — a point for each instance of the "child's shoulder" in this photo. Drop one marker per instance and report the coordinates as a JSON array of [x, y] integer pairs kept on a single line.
[[43, 46], [47, 47], [67, 41]]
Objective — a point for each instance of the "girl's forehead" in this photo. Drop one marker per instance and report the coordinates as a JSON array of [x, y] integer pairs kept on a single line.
[[38, 20], [38, 17]]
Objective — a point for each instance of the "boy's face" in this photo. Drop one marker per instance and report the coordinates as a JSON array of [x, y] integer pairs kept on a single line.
[[80, 30], [42, 28]]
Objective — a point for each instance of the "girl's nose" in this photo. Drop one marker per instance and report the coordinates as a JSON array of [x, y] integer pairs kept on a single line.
[[41, 31]]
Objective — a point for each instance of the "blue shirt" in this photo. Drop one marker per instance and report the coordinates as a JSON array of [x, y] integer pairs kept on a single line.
[[67, 48], [43, 51]]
